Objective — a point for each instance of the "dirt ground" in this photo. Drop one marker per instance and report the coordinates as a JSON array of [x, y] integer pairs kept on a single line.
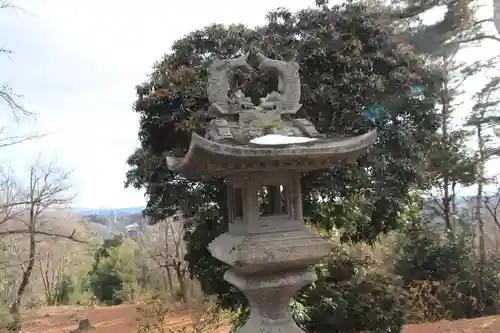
[[125, 318], [115, 319]]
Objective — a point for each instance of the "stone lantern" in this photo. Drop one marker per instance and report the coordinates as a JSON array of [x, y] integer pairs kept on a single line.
[[261, 152]]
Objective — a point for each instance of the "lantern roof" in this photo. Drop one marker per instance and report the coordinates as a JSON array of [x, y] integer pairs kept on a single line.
[[244, 137]]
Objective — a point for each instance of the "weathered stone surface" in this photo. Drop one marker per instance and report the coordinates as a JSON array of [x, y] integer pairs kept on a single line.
[[307, 127], [269, 253], [269, 298]]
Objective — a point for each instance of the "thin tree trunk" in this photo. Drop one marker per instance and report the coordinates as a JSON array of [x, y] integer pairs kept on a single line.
[[167, 265], [454, 198], [446, 169], [180, 278], [29, 269], [478, 212], [169, 279], [479, 197]]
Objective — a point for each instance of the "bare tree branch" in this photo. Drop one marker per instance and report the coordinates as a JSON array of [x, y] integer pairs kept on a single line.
[[6, 93], [492, 204], [10, 98], [8, 140], [164, 245], [44, 233], [24, 202]]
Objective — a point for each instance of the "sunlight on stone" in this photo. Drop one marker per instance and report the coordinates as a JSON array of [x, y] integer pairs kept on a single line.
[[276, 139]]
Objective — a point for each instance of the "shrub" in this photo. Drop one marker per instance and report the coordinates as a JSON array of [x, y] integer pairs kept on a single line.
[[445, 280], [65, 288], [352, 295], [113, 277]]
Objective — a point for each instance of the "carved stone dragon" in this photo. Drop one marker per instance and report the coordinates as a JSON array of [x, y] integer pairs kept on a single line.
[[286, 100], [288, 82], [253, 121], [218, 81]]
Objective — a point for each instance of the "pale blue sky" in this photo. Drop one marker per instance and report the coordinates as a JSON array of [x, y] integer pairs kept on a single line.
[[77, 62]]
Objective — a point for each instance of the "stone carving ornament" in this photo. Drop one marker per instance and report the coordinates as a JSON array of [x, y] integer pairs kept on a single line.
[[269, 252], [286, 99], [288, 95], [218, 81]]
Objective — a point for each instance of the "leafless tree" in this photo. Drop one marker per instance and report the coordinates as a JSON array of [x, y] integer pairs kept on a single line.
[[51, 271], [164, 245], [175, 258], [10, 140], [23, 205], [491, 204], [6, 93], [11, 99], [491, 208]]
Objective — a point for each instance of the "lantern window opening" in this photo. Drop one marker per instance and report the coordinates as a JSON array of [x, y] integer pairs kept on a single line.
[[235, 203], [273, 200], [238, 203]]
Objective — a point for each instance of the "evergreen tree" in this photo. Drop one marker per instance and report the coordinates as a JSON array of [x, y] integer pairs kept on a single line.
[[355, 76], [484, 117]]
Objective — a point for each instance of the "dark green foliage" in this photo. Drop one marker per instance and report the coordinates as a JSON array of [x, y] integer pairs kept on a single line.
[[65, 288], [445, 275], [428, 257], [209, 271], [105, 283], [351, 296], [113, 273], [103, 250], [348, 62]]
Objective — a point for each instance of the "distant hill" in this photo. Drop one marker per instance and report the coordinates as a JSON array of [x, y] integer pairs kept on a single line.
[[102, 230], [108, 211], [107, 222]]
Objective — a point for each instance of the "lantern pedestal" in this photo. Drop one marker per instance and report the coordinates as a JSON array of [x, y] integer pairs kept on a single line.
[[268, 246], [269, 298]]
